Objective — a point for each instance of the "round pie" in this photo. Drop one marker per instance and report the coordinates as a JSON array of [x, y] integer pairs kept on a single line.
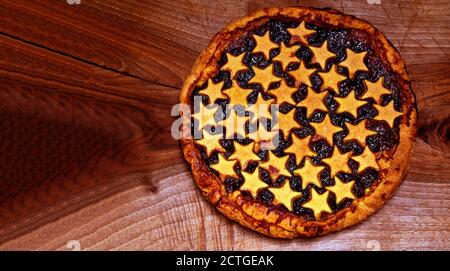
[[300, 121]]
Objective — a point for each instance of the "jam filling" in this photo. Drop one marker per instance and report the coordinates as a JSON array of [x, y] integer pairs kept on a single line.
[[338, 40]]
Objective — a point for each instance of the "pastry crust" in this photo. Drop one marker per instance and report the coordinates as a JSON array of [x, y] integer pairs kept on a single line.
[[273, 221]]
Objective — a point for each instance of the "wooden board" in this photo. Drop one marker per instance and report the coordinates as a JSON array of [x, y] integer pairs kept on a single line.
[[86, 156]]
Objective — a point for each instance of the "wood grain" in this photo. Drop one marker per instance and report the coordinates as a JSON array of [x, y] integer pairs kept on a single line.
[[85, 146]]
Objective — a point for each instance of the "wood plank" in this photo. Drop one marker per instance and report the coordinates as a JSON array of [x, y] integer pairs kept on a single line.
[[98, 36], [71, 132], [177, 218], [159, 40], [82, 82]]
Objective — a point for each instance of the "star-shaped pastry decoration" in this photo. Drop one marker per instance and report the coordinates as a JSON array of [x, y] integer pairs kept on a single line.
[[313, 101], [318, 203], [211, 142], [387, 113], [321, 54], [263, 138], [285, 195], [235, 124], [349, 104], [342, 190], [244, 154], [331, 79], [287, 55], [213, 91], [354, 62], [300, 148], [300, 33], [359, 132], [261, 108], [375, 90], [310, 174], [283, 94], [252, 182], [338, 162], [276, 166], [302, 75], [287, 122], [234, 64], [264, 77], [206, 115], [225, 167], [264, 44], [366, 160], [326, 129], [237, 95]]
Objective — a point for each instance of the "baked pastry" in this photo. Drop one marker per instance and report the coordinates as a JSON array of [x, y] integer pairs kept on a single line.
[[341, 142]]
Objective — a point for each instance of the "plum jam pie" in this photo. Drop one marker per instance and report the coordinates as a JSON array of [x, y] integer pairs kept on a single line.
[[302, 121]]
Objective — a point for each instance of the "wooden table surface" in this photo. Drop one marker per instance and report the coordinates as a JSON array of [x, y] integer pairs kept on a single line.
[[86, 156]]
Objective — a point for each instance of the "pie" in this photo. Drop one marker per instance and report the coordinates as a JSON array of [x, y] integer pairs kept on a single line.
[[303, 121]]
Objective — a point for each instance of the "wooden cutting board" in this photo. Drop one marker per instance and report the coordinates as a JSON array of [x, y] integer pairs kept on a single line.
[[86, 156]]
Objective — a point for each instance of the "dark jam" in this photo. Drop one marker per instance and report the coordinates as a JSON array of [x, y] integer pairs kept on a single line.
[[338, 40]]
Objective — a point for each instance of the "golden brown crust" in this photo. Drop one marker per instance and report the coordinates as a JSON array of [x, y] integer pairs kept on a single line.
[[272, 221]]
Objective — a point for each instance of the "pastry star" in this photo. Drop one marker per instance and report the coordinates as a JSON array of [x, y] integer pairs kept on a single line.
[[244, 154], [285, 195], [300, 33], [302, 75], [224, 167], [318, 203], [287, 122], [264, 77], [206, 115], [264, 44], [300, 148], [349, 104], [338, 162], [326, 129], [331, 79], [260, 108], [387, 113], [235, 124], [234, 64], [375, 90], [211, 142], [321, 54], [342, 190], [359, 132], [354, 62], [252, 183], [313, 101], [366, 159], [287, 55], [283, 94], [213, 91], [276, 166], [237, 95], [263, 138], [310, 174]]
